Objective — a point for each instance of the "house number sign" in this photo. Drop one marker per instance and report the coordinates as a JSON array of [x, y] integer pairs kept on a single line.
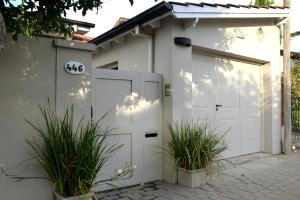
[[74, 67]]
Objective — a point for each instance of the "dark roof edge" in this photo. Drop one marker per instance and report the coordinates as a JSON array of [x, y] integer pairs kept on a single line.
[[79, 23], [152, 13]]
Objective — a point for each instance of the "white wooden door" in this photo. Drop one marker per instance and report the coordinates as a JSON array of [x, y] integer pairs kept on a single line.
[[150, 121], [203, 89], [250, 108], [228, 94], [226, 106], [115, 92], [134, 106]]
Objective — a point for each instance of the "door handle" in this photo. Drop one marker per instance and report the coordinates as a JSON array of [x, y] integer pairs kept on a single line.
[[217, 106]]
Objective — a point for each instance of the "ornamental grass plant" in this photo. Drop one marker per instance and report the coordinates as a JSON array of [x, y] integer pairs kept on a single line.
[[195, 145], [72, 155]]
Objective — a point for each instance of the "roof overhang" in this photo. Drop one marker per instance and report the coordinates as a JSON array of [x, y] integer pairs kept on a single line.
[[190, 11]]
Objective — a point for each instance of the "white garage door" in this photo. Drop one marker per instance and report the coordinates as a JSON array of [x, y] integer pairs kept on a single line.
[[134, 103], [228, 94]]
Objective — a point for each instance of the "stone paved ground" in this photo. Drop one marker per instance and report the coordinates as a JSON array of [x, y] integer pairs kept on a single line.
[[258, 176]]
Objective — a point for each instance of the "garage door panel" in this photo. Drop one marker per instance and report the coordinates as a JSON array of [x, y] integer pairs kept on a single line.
[[202, 89], [227, 113], [250, 129], [250, 100], [250, 107], [250, 146], [233, 150], [203, 114], [251, 112], [227, 88], [227, 97], [231, 129]]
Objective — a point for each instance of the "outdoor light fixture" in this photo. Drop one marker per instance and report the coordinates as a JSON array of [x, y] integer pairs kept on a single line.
[[183, 41], [260, 33]]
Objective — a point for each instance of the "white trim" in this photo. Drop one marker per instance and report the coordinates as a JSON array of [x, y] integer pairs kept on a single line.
[[282, 21], [156, 19], [208, 12], [191, 15], [102, 45], [231, 10]]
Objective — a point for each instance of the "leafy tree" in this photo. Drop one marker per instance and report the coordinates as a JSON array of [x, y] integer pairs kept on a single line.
[[297, 33], [35, 17], [263, 2]]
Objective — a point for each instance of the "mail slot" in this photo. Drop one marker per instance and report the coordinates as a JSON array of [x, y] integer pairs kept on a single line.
[[150, 134]]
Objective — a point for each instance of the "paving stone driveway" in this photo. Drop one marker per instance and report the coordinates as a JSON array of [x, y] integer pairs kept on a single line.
[[258, 176]]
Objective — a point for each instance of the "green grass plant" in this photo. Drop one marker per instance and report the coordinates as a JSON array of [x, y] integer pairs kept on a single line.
[[72, 155], [195, 145]]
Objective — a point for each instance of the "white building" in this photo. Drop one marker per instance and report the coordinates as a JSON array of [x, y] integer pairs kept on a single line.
[[218, 62]]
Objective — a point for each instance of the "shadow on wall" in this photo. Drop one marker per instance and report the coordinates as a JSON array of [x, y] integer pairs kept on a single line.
[[27, 78], [83, 88], [227, 93]]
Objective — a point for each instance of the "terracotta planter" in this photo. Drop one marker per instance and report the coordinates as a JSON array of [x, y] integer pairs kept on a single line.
[[88, 196], [191, 178]]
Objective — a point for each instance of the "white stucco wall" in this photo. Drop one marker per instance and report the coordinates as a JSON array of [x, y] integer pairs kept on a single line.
[[162, 64], [131, 54], [31, 71], [27, 77]]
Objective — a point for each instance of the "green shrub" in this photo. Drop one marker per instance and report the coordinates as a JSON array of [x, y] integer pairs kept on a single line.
[[263, 2], [195, 146]]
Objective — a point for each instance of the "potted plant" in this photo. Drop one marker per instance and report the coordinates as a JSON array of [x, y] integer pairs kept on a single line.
[[195, 148], [71, 155]]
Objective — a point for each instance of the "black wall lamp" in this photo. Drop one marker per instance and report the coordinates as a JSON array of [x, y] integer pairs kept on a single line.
[[183, 41]]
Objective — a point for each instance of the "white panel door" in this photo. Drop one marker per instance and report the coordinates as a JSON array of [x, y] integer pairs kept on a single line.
[[250, 108], [150, 121], [203, 88], [116, 92], [227, 104]]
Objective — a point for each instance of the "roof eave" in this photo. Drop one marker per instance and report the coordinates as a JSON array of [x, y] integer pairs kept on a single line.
[[189, 11], [185, 15], [148, 15]]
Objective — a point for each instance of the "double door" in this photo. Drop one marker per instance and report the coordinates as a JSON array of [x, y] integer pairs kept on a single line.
[[133, 101], [227, 93]]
